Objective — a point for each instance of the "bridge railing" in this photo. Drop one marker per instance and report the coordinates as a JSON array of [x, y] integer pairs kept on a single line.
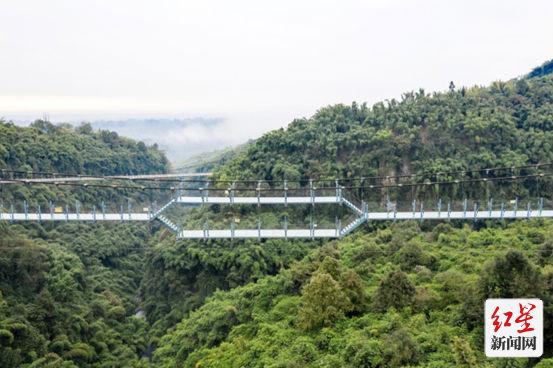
[[469, 206], [263, 188], [75, 207]]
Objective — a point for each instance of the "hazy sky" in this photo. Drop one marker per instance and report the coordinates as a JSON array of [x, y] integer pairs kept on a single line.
[[257, 64]]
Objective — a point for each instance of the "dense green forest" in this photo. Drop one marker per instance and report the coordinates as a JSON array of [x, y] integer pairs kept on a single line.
[[68, 293], [503, 125], [398, 296], [60, 148], [48, 148], [391, 295]]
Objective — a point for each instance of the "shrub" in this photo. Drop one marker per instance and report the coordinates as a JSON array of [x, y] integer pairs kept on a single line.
[[395, 290]]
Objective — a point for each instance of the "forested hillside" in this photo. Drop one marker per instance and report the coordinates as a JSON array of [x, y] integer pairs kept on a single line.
[[48, 148], [391, 295], [60, 148], [397, 296], [505, 124], [68, 292], [68, 295]]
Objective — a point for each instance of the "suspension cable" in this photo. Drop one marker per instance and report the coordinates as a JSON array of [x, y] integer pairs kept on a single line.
[[62, 176], [358, 187]]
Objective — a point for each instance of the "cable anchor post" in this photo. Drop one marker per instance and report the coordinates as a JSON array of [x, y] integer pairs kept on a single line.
[[180, 232], [285, 193], [180, 190], [258, 193], [285, 227], [311, 228], [231, 192], [206, 229], [312, 192]]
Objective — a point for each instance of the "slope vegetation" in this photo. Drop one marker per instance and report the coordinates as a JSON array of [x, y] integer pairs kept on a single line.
[[395, 296], [68, 291]]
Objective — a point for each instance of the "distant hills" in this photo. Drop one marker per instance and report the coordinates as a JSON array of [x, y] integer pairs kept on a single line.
[[179, 138], [207, 161]]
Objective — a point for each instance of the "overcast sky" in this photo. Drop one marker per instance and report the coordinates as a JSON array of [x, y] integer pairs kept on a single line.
[[258, 64]]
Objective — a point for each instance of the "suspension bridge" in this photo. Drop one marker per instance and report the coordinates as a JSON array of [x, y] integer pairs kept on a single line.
[[310, 195]]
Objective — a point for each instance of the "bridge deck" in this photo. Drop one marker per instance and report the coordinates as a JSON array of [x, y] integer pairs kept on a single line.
[[74, 217], [263, 233], [257, 200], [460, 215], [373, 216]]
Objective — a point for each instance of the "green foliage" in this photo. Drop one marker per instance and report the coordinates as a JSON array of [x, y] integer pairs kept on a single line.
[[545, 363], [332, 292], [68, 291], [57, 312], [511, 276], [412, 255], [506, 124], [300, 317], [464, 355], [47, 147], [400, 349], [180, 275], [395, 290], [544, 69], [324, 302], [400, 295]]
